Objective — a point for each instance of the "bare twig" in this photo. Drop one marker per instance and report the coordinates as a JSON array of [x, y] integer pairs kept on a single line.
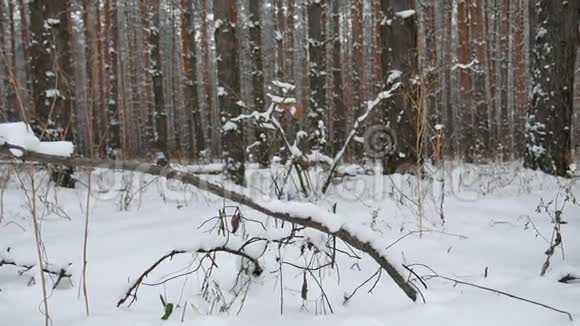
[[349, 296], [513, 296], [85, 242], [132, 291], [38, 242]]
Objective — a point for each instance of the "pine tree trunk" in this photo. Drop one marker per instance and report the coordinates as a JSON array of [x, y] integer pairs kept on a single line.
[[4, 79], [338, 110], [504, 136], [53, 92], [112, 57], [479, 48], [548, 134], [263, 150], [227, 45], [466, 116], [521, 77], [316, 47], [10, 57], [399, 52], [153, 39], [190, 71], [25, 44]]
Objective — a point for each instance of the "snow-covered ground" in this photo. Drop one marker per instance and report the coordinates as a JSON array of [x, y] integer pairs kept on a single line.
[[491, 224]]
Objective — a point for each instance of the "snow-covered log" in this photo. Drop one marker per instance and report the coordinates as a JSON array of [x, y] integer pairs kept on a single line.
[[60, 271], [304, 214]]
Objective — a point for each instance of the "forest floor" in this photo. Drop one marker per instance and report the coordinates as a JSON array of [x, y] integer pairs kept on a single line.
[[493, 236]]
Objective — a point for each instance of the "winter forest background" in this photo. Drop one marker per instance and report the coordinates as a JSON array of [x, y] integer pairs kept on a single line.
[[126, 79]]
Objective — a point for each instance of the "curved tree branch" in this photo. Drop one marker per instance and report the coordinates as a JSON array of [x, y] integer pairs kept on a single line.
[[132, 290], [306, 220]]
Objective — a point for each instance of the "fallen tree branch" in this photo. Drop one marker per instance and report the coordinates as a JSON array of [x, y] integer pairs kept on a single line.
[[59, 272], [569, 278], [513, 296], [306, 219], [132, 290]]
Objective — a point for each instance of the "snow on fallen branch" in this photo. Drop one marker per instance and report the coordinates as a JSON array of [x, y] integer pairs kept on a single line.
[[205, 245], [21, 135], [303, 214], [60, 272]]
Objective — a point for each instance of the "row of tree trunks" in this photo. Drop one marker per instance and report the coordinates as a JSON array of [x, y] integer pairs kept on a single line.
[[133, 100]]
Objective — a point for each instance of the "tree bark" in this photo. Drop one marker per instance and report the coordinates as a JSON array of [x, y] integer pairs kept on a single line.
[[52, 69], [263, 135], [466, 116], [111, 61], [399, 52], [227, 45], [153, 28], [189, 54], [480, 110], [317, 71], [4, 81], [548, 134]]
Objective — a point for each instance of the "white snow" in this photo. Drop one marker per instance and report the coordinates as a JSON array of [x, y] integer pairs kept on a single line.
[[283, 85], [21, 135], [469, 65], [53, 21], [317, 156], [58, 148], [295, 151], [278, 36], [212, 168], [487, 228], [394, 76], [51, 93], [406, 13], [350, 170], [229, 126], [221, 91], [280, 100]]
